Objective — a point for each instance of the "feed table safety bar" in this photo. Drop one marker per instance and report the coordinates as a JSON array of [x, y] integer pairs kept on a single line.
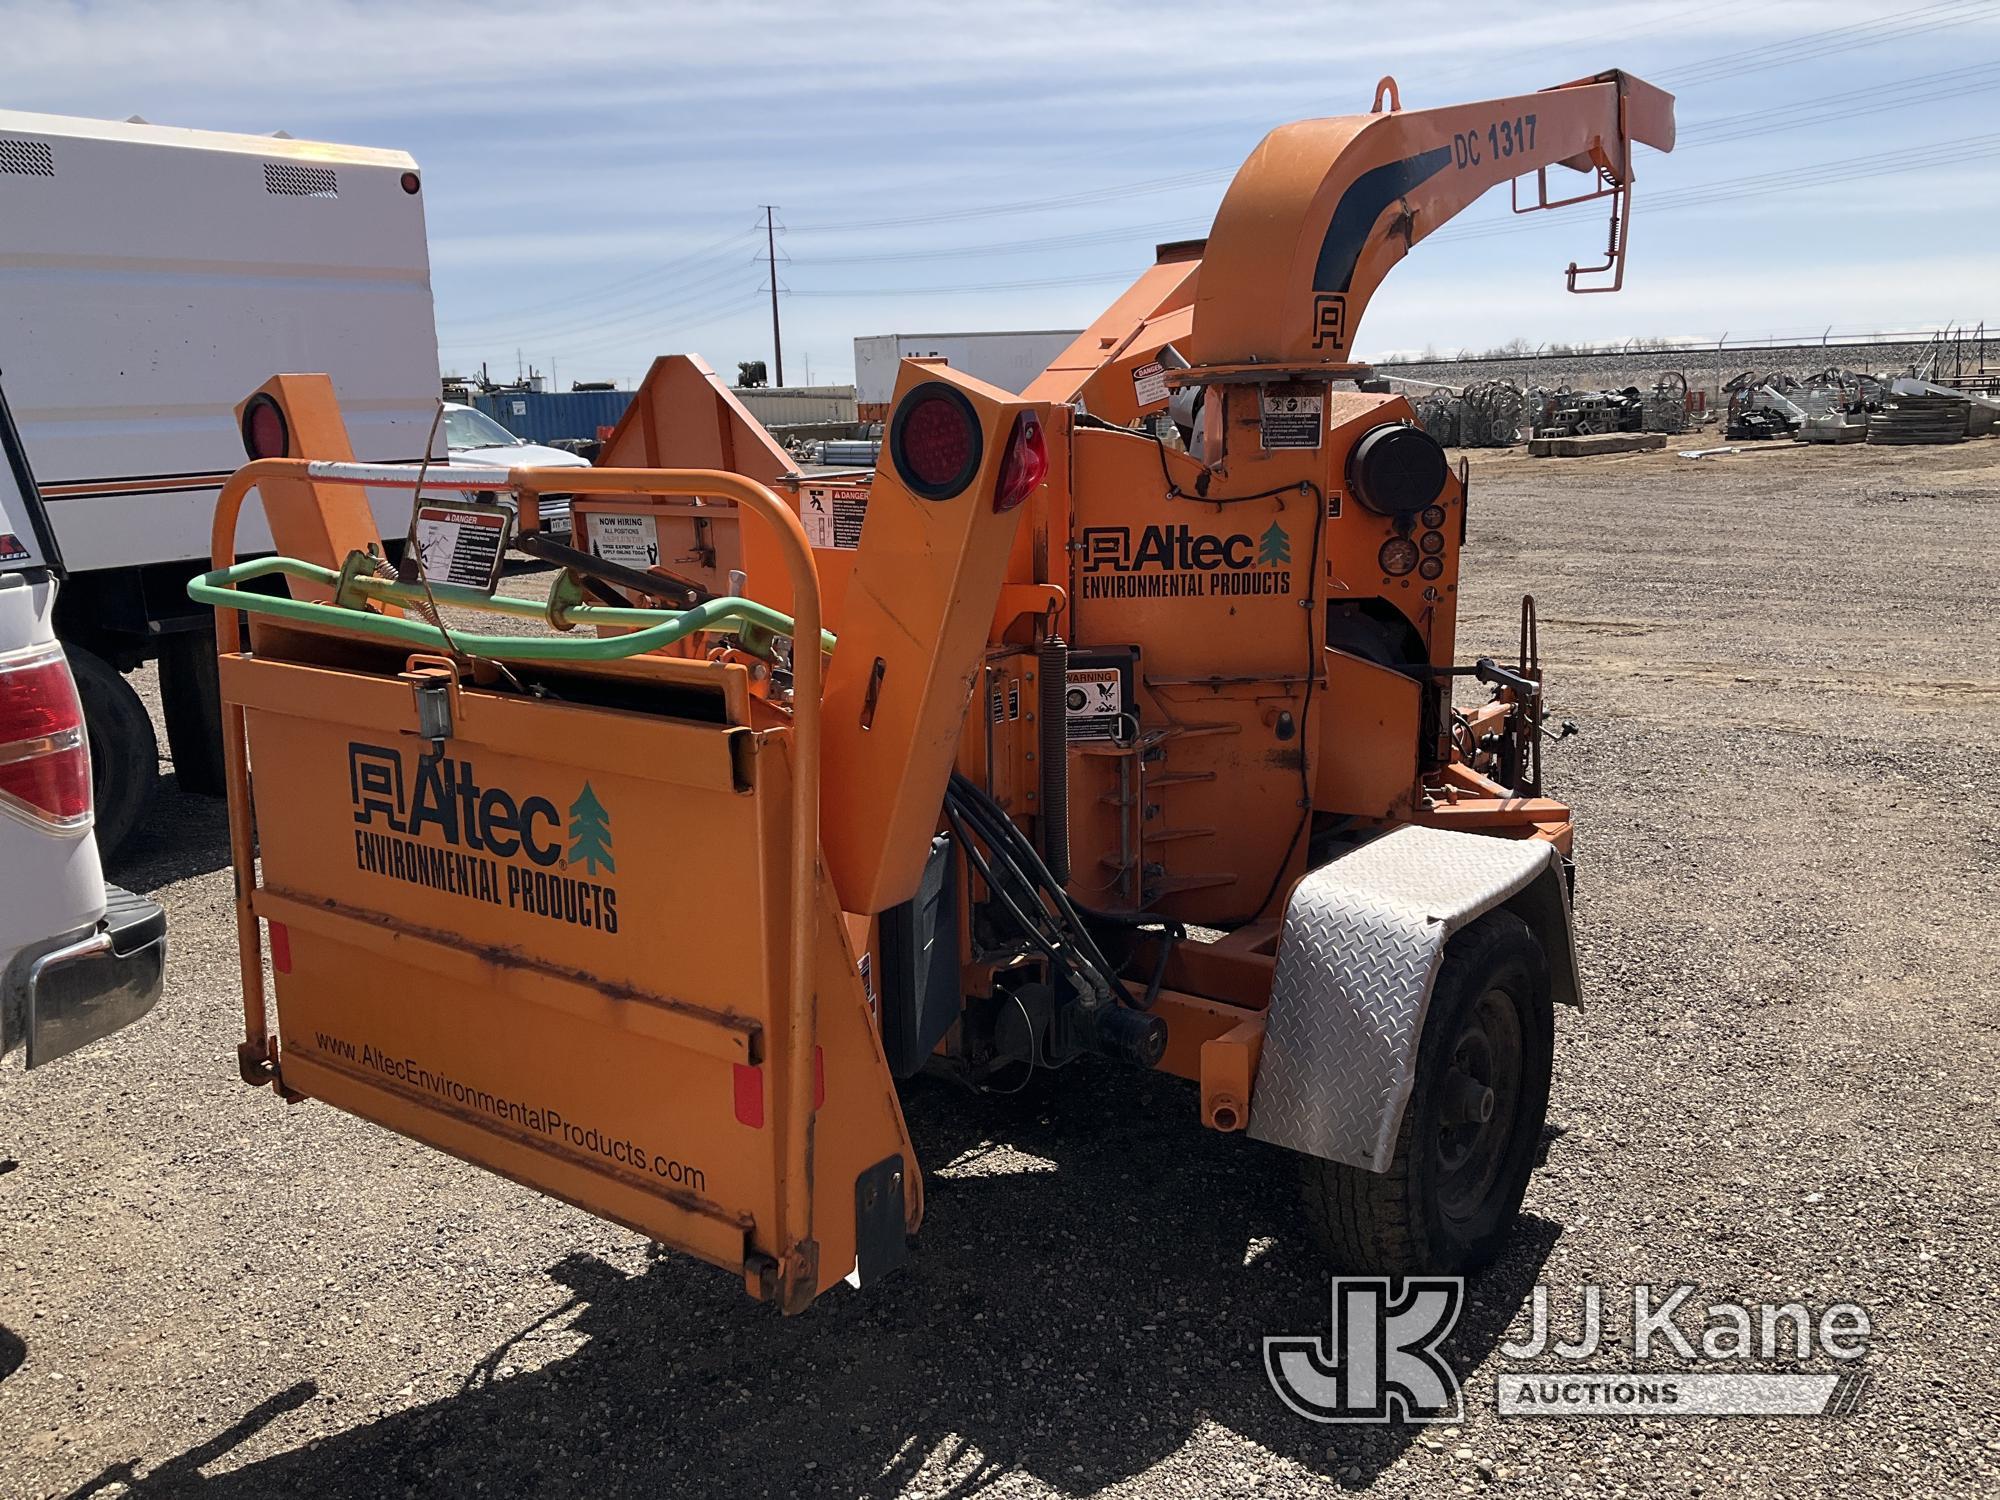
[[258, 1063], [647, 629]]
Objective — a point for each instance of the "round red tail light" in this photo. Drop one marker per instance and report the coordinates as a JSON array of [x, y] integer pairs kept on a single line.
[[935, 442], [265, 433]]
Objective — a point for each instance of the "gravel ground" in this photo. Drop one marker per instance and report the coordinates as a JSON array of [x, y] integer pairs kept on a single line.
[[1782, 668]]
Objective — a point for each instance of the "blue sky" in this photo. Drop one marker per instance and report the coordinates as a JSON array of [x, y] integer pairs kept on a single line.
[[593, 173]]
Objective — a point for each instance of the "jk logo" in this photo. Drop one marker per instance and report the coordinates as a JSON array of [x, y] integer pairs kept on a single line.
[[1379, 1359]]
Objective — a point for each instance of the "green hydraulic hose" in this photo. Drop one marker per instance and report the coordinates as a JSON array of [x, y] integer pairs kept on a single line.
[[648, 629]]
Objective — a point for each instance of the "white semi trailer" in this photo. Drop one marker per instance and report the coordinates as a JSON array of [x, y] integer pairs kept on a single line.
[[1006, 359], [150, 279]]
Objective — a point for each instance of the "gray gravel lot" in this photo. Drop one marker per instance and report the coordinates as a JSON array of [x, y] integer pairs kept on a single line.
[[1787, 1085]]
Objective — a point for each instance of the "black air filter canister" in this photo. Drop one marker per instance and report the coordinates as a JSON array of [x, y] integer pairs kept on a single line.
[[1396, 470], [1052, 663]]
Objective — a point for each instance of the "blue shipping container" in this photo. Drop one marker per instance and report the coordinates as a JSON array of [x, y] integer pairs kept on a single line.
[[544, 416]]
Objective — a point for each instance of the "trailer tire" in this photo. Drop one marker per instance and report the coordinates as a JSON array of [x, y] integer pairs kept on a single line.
[[1454, 1185], [124, 751], [191, 703]]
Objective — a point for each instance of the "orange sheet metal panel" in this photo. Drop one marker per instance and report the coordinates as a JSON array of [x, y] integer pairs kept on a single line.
[[1132, 384], [913, 639], [319, 523], [1354, 540], [1216, 596], [1367, 762], [1164, 287], [557, 950], [684, 417]]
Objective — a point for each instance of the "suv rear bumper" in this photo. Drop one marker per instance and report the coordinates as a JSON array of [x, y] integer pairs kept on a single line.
[[70, 993]]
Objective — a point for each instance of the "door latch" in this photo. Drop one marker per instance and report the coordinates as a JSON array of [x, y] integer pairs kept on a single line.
[[434, 686]]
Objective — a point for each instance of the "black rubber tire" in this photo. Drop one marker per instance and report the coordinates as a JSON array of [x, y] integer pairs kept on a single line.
[[191, 703], [124, 751], [1402, 1222]]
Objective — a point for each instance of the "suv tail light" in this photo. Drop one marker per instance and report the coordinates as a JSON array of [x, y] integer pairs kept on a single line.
[[44, 754], [1025, 465]]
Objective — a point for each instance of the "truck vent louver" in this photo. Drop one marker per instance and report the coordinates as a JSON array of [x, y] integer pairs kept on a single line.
[[299, 182], [26, 158]]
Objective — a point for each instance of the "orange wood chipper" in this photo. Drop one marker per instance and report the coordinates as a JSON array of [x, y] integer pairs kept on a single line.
[[1113, 719]]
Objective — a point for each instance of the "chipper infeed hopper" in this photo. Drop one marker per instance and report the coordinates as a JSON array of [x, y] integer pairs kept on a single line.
[[1067, 734]]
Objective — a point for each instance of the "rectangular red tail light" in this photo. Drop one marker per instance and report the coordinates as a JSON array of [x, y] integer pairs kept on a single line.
[[44, 751]]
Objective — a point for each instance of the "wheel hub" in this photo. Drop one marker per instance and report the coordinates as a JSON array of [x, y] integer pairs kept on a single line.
[[1478, 1104]]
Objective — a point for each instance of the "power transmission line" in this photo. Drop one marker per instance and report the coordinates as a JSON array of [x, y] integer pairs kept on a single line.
[[705, 284], [663, 334], [1926, 89], [1848, 169], [1489, 61], [650, 274], [1011, 247], [1906, 23], [1935, 17], [1094, 278], [1930, 18], [1717, 131], [1029, 205]]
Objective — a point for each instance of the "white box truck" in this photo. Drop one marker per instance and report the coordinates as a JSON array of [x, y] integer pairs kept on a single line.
[[150, 279], [1008, 360]]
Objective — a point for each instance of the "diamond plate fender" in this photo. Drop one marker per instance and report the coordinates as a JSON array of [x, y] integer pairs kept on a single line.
[[1359, 952]]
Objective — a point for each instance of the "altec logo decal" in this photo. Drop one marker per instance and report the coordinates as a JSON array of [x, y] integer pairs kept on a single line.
[[441, 829], [1178, 562]]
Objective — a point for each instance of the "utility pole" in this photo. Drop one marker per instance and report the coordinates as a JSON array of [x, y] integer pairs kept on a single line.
[[771, 252]]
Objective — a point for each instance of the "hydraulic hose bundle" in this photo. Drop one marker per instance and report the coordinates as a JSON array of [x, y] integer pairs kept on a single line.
[[1112, 1018]]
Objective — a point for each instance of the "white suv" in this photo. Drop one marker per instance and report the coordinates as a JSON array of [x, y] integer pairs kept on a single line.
[[78, 959], [473, 438]]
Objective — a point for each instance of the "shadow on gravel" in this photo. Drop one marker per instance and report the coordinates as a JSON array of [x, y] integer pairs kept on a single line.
[[186, 1468], [13, 1350], [183, 835], [1084, 1301]]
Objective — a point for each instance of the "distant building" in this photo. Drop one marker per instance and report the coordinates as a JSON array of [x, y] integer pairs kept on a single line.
[[1006, 360]]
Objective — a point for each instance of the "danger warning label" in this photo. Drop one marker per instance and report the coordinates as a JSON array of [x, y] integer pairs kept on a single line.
[[461, 544], [833, 515], [1149, 383]]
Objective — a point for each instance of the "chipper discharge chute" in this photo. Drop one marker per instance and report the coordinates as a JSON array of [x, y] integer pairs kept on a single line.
[[1112, 720]]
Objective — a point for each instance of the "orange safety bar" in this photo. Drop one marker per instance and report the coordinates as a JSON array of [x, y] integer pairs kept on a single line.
[[257, 1061]]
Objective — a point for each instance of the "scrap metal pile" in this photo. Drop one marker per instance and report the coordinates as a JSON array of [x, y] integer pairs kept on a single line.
[[1563, 412], [1498, 413], [1486, 414], [1921, 417], [1666, 405]]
